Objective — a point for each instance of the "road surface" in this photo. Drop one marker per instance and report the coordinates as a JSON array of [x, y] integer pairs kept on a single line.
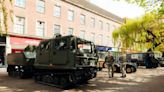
[[144, 80]]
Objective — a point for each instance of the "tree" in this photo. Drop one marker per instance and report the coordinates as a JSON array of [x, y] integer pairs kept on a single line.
[[4, 15], [146, 32]]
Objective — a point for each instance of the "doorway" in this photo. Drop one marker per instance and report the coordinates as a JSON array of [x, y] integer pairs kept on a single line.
[[2, 55]]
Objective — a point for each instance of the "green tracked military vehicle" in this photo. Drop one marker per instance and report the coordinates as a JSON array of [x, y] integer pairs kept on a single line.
[[21, 64], [65, 61]]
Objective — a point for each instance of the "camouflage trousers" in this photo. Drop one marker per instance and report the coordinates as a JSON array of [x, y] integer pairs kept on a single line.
[[110, 70], [123, 69]]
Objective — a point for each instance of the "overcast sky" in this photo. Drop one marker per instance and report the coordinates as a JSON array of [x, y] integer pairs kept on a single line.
[[121, 9]]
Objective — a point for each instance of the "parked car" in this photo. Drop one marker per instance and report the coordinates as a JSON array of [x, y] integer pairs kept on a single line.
[[161, 61], [130, 67]]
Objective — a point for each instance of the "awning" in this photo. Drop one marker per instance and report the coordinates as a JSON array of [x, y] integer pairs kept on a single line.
[[103, 48]]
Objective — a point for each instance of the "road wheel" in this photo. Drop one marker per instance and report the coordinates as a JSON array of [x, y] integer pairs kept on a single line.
[[10, 73], [21, 75], [129, 70], [37, 77], [11, 70], [64, 82], [21, 72]]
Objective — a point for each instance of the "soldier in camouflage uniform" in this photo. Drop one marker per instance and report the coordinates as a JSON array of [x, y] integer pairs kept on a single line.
[[109, 60], [122, 60]]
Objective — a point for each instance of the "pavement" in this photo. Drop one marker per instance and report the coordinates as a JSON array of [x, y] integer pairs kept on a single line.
[[144, 80]]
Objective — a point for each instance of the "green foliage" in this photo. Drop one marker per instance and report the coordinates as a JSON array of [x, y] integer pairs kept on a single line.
[[142, 3], [144, 31], [5, 13], [161, 9]]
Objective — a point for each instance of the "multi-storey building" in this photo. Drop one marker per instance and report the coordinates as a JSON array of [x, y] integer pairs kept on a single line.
[[35, 20]]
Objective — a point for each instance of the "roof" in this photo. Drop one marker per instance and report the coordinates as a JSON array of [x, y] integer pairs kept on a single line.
[[95, 9], [67, 36]]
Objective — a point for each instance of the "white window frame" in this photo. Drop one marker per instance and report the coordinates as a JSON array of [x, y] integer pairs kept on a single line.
[[82, 19], [40, 8], [19, 28], [82, 34], [92, 22], [70, 15], [108, 27], [101, 24], [114, 27], [57, 10], [107, 40], [70, 31], [55, 31], [20, 3], [100, 37], [92, 37], [40, 30]]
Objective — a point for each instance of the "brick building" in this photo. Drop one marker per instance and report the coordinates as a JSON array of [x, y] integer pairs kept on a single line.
[[35, 20]]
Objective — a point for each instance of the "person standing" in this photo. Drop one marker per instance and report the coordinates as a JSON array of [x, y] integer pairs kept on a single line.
[[122, 60], [109, 60]]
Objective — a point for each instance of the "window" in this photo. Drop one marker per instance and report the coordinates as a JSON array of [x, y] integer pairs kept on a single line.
[[20, 3], [82, 19], [70, 31], [114, 27], [92, 38], [70, 15], [44, 46], [60, 44], [57, 10], [100, 39], [56, 29], [107, 40], [93, 22], [101, 24], [41, 6], [107, 26], [82, 34], [1, 18], [40, 28], [19, 25]]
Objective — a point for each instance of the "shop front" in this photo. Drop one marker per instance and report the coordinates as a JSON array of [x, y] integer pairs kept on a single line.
[[2, 50], [102, 53], [19, 43]]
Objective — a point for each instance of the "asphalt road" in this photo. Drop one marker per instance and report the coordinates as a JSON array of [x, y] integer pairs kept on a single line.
[[144, 80]]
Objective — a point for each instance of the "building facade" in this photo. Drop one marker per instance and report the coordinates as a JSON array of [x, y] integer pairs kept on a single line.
[[34, 20]]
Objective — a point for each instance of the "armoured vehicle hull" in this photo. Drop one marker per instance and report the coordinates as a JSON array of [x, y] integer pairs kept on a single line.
[[20, 65], [65, 61]]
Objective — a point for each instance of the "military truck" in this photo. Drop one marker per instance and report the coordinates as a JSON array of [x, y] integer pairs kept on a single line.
[[21, 64], [148, 59], [65, 61]]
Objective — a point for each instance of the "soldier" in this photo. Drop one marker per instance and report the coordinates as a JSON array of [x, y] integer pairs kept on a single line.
[[109, 60], [122, 60]]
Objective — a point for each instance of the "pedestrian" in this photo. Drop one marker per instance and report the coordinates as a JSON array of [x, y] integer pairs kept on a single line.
[[109, 60], [122, 60]]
